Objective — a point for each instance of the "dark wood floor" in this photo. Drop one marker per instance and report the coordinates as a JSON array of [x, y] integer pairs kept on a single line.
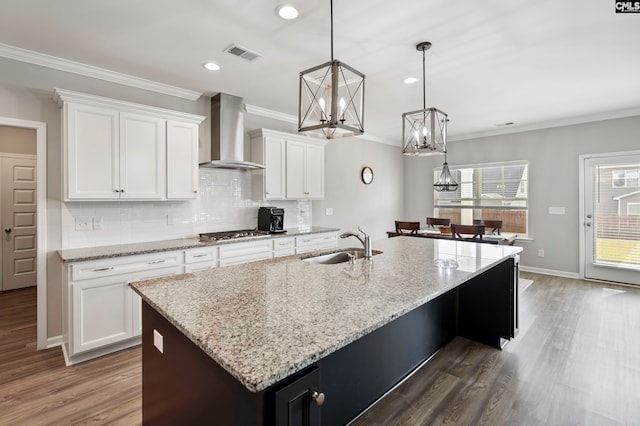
[[37, 389], [576, 360]]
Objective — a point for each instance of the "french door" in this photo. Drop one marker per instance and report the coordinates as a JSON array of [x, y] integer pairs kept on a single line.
[[611, 222]]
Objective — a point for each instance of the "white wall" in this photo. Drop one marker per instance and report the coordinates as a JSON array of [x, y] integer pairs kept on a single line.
[[553, 180]]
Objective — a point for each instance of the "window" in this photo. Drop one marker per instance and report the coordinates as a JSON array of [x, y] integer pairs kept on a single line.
[[496, 191], [625, 179]]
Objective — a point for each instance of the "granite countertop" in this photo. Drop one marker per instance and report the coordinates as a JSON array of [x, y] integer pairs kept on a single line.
[[263, 321], [105, 252]]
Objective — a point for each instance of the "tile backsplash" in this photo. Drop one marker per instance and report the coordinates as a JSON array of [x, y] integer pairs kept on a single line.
[[225, 203]]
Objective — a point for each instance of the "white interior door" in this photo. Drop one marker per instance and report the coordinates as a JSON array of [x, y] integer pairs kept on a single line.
[[19, 242], [611, 220]]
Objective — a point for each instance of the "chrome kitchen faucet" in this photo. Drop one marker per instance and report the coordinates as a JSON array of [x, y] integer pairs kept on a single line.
[[366, 242]]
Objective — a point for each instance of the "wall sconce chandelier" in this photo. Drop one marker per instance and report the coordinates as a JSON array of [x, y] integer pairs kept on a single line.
[[424, 132], [331, 98]]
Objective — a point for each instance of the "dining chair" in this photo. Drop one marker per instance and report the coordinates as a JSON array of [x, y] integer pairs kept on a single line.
[[409, 228], [495, 225], [433, 222], [476, 232]]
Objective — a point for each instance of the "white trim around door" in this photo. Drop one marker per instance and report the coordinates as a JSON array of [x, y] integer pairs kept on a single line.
[[586, 219], [41, 188]]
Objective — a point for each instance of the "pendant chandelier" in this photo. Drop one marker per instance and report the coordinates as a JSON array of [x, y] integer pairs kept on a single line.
[[424, 132], [331, 98]]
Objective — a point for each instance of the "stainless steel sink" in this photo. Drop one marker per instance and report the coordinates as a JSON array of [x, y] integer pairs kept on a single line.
[[338, 256]]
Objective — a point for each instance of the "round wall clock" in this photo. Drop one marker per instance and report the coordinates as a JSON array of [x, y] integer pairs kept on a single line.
[[367, 175]]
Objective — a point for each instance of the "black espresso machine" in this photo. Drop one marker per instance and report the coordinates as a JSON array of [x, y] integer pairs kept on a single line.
[[271, 219]]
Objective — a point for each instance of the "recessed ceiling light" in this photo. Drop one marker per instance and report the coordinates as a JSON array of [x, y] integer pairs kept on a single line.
[[211, 66], [410, 80], [287, 12]]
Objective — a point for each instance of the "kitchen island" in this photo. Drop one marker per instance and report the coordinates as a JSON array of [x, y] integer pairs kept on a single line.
[[266, 342]]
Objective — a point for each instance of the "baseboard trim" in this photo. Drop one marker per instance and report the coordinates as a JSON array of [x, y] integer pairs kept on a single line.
[[54, 341], [542, 271]]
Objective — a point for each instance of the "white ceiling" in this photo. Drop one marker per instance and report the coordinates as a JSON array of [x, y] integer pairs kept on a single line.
[[492, 62]]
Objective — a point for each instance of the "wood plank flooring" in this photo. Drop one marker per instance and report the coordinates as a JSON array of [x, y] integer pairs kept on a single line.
[[576, 360], [37, 389]]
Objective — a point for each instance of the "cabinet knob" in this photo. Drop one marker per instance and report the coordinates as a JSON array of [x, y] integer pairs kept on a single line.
[[116, 190], [195, 191], [318, 397]]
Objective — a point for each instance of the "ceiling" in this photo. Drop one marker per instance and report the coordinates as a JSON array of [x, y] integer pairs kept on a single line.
[[532, 63]]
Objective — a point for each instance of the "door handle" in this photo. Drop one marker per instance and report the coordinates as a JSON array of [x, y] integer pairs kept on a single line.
[[7, 230]]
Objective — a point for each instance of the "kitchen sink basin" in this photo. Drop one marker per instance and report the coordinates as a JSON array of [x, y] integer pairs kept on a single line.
[[338, 256]]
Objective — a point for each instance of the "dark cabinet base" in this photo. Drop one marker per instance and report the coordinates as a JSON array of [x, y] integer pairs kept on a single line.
[[184, 385]]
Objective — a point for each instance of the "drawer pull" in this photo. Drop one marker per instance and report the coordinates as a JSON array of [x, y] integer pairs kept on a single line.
[[103, 269], [201, 255], [153, 262]]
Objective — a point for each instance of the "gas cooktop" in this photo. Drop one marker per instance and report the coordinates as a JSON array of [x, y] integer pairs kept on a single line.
[[242, 234]]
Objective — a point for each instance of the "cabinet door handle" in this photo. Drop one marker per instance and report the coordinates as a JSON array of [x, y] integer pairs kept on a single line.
[[318, 397], [116, 190], [195, 191], [153, 262], [103, 269]]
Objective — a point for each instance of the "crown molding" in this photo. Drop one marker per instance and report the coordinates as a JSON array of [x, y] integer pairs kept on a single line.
[[292, 119], [60, 96], [570, 121], [41, 59]]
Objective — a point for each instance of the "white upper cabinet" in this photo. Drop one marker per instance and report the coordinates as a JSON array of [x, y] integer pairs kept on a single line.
[[182, 160], [119, 150], [142, 157], [92, 152], [269, 150], [294, 165], [305, 171]]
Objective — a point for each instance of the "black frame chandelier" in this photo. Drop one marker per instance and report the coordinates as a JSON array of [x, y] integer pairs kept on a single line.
[[331, 98]]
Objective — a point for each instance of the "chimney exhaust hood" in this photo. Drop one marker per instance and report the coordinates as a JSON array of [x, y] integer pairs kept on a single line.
[[227, 134]]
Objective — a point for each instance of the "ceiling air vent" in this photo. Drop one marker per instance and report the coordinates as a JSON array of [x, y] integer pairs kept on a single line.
[[242, 52]]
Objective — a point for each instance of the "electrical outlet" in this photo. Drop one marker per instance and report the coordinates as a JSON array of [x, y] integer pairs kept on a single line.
[[158, 341], [83, 223], [328, 211], [540, 253], [97, 223]]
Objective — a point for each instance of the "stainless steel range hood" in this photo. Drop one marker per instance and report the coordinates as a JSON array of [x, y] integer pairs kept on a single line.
[[227, 134]]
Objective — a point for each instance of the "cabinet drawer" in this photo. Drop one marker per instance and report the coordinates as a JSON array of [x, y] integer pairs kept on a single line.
[[200, 255], [246, 258], [316, 242], [124, 265], [283, 243], [228, 251]]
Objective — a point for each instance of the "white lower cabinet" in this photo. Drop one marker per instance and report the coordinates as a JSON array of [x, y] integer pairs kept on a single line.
[[104, 313], [311, 242]]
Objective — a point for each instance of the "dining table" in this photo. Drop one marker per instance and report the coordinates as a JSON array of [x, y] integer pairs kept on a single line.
[[435, 233]]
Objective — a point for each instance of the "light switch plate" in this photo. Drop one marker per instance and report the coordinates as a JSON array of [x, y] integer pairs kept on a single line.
[[158, 341], [328, 211]]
